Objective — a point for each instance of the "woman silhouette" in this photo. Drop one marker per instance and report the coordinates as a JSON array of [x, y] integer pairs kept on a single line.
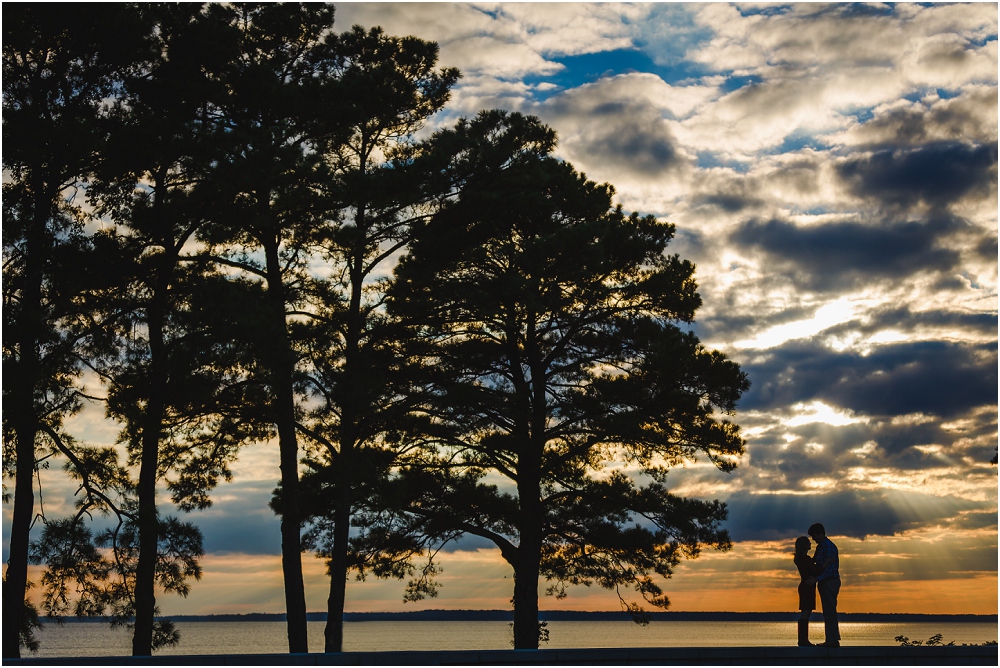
[[807, 592]]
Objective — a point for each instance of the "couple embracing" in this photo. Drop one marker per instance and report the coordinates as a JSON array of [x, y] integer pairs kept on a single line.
[[821, 570]]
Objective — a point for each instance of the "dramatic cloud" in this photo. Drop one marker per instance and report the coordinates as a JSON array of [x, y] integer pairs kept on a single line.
[[831, 256], [854, 513], [932, 377]]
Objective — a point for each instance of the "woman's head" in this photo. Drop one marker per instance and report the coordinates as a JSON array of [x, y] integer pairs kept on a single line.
[[802, 544]]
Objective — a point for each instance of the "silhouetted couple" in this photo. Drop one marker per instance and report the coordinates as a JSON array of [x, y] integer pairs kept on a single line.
[[821, 570]]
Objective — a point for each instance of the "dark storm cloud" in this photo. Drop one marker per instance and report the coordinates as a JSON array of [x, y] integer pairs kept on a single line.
[[987, 248], [904, 319], [931, 377], [936, 174], [636, 149], [971, 116], [978, 519], [728, 202], [470, 543], [628, 136], [854, 513], [835, 255]]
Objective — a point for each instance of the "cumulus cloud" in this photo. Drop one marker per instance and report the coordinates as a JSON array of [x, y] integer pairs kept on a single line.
[[812, 68], [502, 39], [920, 43], [572, 28], [615, 124], [504, 60], [969, 117]]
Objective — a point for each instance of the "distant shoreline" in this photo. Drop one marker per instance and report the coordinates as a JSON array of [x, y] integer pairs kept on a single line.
[[568, 616]]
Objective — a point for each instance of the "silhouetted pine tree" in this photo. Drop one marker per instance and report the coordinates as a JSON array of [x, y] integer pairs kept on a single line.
[[58, 67], [382, 187], [546, 321], [267, 207], [163, 142]]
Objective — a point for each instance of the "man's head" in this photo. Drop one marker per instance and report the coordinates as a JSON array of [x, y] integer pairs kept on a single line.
[[817, 532]]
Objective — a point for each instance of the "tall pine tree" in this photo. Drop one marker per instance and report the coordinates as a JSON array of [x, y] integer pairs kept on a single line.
[[266, 208], [381, 190], [58, 67], [547, 323], [167, 379]]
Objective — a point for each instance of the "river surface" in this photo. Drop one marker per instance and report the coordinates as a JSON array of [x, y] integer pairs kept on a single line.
[[97, 639]]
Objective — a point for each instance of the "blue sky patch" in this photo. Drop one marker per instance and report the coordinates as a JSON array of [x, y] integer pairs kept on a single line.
[[864, 115], [710, 159], [589, 67], [772, 10], [984, 41], [735, 83], [797, 142]]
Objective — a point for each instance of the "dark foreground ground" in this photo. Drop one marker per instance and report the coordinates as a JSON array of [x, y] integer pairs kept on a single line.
[[647, 656]]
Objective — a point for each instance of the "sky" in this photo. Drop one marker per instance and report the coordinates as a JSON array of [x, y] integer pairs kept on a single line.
[[832, 172]]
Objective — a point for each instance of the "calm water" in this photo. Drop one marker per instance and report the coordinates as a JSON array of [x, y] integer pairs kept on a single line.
[[91, 639]]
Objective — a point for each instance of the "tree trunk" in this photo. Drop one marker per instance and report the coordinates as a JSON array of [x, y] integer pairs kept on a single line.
[[526, 593], [529, 553], [334, 632], [350, 411], [16, 578], [22, 405], [281, 362], [145, 575], [529, 496]]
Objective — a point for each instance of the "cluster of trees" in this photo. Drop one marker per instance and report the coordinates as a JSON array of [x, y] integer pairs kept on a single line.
[[219, 222]]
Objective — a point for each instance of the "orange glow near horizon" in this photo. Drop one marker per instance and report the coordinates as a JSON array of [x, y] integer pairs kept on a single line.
[[475, 580]]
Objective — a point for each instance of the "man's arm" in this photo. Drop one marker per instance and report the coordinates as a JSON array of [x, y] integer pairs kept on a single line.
[[828, 559], [819, 567]]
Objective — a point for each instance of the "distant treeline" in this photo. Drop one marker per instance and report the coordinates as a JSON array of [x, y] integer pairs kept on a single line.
[[570, 616]]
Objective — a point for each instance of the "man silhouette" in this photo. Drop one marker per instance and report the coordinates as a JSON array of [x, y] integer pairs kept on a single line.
[[828, 582]]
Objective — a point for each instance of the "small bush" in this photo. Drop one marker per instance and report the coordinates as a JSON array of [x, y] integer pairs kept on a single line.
[[938, 640]]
